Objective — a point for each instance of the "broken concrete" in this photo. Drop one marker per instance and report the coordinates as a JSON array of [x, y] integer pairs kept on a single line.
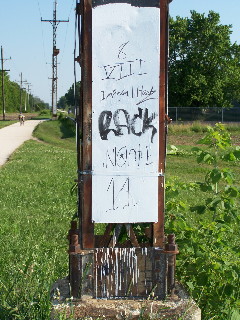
[[177, 307]]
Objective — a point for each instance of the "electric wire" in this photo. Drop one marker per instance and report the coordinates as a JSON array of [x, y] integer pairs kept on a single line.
[[43, 43], [66, 33], [65, 40]]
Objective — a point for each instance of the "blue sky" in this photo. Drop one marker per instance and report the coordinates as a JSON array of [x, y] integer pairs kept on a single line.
[[229, 12], [29, 41]]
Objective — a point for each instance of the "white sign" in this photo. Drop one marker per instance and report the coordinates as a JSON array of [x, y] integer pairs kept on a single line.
[[125, 95]]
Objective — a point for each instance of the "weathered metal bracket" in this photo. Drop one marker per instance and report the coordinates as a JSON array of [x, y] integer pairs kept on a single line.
[[115, 272]]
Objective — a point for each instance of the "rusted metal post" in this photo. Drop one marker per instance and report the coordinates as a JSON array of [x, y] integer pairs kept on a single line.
[[153, 261], [74, 261], [171, 249], [158, 236], [85, 170]]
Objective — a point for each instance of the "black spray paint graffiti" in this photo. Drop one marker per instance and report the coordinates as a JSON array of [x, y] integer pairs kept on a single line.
[[123, 157], [121, 196], [121, 53], [121, 122], [121, 70], [113, 122], [140, 93]]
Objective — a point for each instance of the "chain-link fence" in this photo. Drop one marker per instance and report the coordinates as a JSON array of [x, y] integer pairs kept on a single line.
[[204, 114]]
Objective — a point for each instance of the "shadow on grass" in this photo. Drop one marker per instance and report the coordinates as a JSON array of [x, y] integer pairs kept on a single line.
[[67, 127]]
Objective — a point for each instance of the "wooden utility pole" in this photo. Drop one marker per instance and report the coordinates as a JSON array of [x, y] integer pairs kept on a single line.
[[3, 93], [54, 22]]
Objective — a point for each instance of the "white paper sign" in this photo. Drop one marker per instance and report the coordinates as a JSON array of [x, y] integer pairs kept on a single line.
[[125, 93]]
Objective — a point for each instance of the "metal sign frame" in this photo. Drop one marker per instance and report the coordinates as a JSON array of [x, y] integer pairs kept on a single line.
[[84, 122]]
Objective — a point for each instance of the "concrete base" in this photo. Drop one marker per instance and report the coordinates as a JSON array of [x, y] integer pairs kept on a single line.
[[180, 306]]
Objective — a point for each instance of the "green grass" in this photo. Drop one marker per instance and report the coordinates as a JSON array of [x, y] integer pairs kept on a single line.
[[6, 123], [197, 127], [44, 114], [36, 209], [59, 133]]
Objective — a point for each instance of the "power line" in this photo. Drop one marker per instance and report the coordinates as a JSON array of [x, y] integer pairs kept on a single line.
[[43, 43], [64, 46]]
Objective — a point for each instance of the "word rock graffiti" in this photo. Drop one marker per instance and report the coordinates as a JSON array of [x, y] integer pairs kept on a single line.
[[125, 107]]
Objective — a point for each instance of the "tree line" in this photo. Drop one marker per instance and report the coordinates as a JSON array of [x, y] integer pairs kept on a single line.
[[204, 66], [71, 98], [15, 97]]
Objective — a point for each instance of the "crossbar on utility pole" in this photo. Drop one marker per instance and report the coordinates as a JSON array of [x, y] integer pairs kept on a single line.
[[3, 93], [54, 22]]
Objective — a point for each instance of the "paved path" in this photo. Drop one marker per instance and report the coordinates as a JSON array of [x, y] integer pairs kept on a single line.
[[11, 137]]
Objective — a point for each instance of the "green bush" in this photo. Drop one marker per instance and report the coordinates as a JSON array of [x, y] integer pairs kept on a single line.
[[208, 230]]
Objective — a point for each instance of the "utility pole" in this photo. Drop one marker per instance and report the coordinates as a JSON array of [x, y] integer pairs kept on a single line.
[[27, 96], [21, 88], [54, 22], [32, 102], [3, 94]]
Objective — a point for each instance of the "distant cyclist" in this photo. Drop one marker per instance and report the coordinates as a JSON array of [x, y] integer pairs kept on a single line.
[[21, 118]]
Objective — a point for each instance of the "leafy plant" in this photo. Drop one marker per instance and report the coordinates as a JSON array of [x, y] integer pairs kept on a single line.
[[209, 259], [218, 183]]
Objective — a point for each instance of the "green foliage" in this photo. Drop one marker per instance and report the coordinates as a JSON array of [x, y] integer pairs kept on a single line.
[[208, 231], [12, 97], [222, 194], [203, 64], [62, 103], [6, 123], [72, 97]]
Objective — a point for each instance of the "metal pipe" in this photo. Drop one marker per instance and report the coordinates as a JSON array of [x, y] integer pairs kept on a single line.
[[74, 261], [171, 249]]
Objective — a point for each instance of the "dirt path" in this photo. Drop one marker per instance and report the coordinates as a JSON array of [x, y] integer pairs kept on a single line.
[[11, 137]]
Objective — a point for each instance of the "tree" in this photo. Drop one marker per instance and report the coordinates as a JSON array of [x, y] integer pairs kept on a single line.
[[204, 67], [12, 97], [72, 94], [62, 103]]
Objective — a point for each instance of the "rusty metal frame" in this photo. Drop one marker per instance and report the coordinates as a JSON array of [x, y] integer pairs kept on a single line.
[[85, 187], [84, 247], [85, 124], [158, 228]]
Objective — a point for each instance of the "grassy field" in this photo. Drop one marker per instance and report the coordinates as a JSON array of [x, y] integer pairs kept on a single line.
[[6, 123], [36, 208], [62, 133]]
